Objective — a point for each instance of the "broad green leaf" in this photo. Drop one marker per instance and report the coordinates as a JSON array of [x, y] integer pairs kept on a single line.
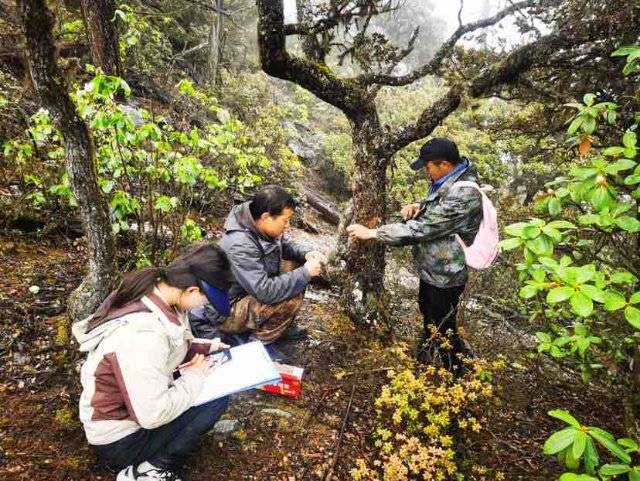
[[560, 440], [510, 244], [607, 441], [515, 229], [622, 277], [575, 125], [581, 304], [560, 294], [620, 165], [554, 234], [613, 151], [544, 337], [561, 224], [555, 207], [592, 292], [634, 475], [632, 315], [632, 179], [628, 223], [564, 416], [614, 300], [591, 458], [576, 477], [528, 292], [614, 469], [541, 245], [579, 444], [629, 444], [635, 298], [585, 273], [629, 139], [531, 232]]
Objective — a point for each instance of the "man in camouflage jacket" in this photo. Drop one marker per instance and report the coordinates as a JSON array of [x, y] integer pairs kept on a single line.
[[430, 226]]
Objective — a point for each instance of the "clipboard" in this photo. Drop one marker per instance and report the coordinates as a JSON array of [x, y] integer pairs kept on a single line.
[[249, 367]]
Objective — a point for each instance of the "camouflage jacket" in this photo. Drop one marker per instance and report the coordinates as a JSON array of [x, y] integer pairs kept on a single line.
[[438, 257]]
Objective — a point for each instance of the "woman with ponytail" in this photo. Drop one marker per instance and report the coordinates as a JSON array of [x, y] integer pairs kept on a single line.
[[137, 417]]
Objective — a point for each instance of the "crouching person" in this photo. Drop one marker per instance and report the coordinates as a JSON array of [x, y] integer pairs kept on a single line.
[[271, 272], [136, 416]]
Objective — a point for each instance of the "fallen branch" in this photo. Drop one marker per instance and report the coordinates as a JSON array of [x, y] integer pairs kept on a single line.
[[329, 473]]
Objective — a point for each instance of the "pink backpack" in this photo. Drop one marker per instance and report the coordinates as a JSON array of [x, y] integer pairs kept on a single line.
[[484, 249]]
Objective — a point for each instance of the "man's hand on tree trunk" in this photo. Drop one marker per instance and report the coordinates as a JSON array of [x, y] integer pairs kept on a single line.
[[357, 231], [410, 211]]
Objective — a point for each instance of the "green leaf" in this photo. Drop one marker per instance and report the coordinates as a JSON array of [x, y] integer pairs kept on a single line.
[[591, 458], [628, 223], [510, 244], [541, 245], [579, 443], [635, 298], [531, 232], [561, 224], [527, 292], [560, 294], [575, 125], [516, 229], [629, 444], [614, 469], [607, 441], [581, 304], [632, 315], [588, 99], [544, 337], [592, 292], [560, 440], [632, 179], [614, 300], [576, 477], [634, 475], [554, 206], [620, 165], [629, 139], [563, 415], [613, 151], [622, 277]]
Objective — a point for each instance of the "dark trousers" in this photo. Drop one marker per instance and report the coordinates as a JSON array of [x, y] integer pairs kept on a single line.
[[165, 447], [439, 308]]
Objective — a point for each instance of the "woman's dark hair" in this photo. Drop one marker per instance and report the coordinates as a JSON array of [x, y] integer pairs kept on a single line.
[[202, 262], [272, 199]]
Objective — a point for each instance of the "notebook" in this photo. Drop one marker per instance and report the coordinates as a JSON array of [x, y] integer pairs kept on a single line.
[[249, 367]]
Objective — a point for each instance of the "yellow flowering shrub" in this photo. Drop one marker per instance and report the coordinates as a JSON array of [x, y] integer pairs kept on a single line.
[[417, 414]]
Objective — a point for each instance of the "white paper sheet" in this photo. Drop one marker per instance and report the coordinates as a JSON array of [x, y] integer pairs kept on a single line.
[[250, 366]]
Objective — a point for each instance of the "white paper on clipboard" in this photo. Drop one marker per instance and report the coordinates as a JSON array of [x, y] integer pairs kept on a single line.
[[250, 366]]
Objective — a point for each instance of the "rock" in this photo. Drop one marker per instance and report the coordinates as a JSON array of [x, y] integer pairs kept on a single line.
[[34, 289], [307, 144], [223, 428], [277, 412]]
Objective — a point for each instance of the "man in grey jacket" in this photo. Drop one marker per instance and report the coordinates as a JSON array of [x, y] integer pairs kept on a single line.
[[271, 271], [430, 226]]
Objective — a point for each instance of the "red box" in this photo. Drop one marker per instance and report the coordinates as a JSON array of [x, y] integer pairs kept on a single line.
[[290, 381]]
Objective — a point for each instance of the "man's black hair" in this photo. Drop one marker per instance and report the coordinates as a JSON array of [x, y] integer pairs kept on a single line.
[[272, 199]]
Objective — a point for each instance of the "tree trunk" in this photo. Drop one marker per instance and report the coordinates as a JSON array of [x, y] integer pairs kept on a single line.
[[364, 295], [37, 21], [215, 41], [98, 16]]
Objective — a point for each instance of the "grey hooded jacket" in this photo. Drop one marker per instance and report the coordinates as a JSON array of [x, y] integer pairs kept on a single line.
[[438, 257], [255, 262]]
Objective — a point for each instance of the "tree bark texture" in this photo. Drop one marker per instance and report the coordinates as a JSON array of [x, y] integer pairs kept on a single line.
[[363, 290], [215, 41], [98, 16], [37, 23]]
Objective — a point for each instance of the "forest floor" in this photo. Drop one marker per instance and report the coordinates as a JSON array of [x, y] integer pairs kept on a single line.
[[278, 438]]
